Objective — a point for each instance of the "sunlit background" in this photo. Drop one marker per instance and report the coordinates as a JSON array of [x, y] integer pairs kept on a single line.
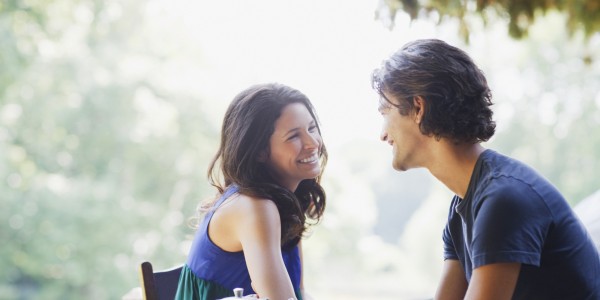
[[110, 112]]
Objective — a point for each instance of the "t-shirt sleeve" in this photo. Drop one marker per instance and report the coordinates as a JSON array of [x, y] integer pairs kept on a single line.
[[510, 224], [449, 250], [449, 247]]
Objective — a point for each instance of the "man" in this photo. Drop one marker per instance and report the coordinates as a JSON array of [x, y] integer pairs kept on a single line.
[[510, 234]]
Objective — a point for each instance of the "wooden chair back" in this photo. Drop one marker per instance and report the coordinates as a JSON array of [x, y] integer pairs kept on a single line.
[[160, 285]]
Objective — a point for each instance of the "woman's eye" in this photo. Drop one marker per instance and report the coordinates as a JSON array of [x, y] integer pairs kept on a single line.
[[312, 128]]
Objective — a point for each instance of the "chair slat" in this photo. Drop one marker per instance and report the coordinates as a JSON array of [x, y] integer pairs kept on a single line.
[[160, 285]]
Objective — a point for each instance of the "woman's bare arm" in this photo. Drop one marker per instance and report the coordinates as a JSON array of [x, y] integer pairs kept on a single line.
[[258, 228]]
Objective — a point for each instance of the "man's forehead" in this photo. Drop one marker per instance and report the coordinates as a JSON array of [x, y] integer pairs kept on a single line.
[[384, 106], [384, 103], [388, 99]]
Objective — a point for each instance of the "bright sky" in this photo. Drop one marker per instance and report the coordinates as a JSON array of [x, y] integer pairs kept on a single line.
[[327, 49]]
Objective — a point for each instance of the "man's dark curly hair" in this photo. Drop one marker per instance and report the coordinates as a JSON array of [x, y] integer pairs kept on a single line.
[[457, 97]]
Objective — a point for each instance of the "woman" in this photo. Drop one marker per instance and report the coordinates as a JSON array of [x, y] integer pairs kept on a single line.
[[267, 173]]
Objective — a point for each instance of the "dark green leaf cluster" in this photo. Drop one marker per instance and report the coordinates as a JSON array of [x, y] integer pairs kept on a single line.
[[582, 15]]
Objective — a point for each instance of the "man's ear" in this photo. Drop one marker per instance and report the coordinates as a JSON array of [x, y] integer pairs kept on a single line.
[[418, 108]]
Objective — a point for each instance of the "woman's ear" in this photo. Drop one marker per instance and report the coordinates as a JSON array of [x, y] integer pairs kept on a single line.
[[262, 156]]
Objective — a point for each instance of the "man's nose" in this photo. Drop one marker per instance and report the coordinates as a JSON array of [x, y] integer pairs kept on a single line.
[[383, 135]]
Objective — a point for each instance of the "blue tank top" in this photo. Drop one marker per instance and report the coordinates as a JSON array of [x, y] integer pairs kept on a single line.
[[228, 269]]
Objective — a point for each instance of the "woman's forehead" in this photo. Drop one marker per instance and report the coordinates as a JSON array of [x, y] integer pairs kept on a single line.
[[295, 114]]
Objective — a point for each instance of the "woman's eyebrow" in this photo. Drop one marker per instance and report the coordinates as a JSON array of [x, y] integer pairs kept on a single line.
[[295, 129], [289, 132]]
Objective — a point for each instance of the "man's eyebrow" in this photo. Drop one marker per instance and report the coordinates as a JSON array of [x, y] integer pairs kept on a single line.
[[383, 105]]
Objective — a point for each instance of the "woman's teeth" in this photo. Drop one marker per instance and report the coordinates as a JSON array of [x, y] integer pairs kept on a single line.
[[309, 159]]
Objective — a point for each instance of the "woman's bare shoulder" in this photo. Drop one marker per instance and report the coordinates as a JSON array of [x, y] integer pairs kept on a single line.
[[241, 207], [245, 206], [243, 216]]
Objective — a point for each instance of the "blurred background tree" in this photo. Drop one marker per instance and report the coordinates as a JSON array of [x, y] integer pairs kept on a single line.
[[557, 62], [110, 113], [98, 157], [581, 15]]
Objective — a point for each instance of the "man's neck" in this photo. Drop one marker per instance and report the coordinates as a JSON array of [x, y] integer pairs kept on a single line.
[[453, 164]]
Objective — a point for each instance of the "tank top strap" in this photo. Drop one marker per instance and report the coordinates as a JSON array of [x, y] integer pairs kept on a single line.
[[230, 190]]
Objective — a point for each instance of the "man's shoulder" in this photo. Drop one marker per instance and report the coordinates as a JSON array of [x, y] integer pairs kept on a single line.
[[503, 176], [506, 177], [507, 170]]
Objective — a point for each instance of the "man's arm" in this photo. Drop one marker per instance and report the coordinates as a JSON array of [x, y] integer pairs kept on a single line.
[[489, 282], [453, 284], [494, 281]]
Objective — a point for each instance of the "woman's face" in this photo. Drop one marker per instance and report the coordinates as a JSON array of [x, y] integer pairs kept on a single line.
[[295, 147]]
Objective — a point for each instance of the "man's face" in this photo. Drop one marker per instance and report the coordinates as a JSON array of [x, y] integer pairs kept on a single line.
[[402, 133]]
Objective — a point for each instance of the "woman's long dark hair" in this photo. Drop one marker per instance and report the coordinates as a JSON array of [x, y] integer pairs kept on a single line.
[[247, 128]]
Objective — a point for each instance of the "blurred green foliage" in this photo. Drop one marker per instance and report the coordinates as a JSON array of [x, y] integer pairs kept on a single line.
[[554, 98], [97, 159], [583, 15], [103, 160]]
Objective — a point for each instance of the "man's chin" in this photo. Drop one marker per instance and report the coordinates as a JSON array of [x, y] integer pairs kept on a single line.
[[401, 166]]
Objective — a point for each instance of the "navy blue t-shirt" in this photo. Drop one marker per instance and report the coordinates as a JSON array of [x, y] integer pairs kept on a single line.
[[512, 214]]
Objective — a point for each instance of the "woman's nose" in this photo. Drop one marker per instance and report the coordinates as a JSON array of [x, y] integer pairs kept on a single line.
[[312, 141]]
